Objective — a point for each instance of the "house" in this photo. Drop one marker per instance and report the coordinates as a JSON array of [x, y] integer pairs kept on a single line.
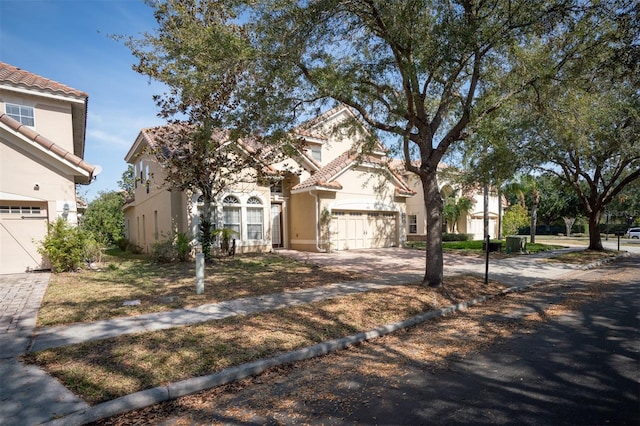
[[42, 140], [337, 198], [468, 222]]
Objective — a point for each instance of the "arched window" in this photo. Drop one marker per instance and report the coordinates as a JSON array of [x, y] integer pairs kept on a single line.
[[231, 213], [255, 215]]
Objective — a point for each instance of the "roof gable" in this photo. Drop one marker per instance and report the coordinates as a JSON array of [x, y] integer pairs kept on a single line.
[[84, 171], [326, 177]]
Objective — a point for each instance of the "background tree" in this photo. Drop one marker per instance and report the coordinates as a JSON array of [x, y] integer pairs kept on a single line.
[[202, 56], [424, 72], [104, 217], [454, 207], [586, 124], [624, 209], [128, 182]]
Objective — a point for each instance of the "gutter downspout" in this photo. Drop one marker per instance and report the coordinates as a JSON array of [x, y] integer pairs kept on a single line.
[[321, 250]]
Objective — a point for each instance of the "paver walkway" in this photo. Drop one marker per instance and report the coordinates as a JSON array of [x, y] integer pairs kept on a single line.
[[28, 396]]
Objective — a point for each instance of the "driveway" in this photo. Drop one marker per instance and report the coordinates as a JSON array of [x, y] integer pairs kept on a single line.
[[399, 264]]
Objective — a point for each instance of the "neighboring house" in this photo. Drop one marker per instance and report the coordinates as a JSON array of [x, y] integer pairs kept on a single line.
[[470, 222], [335, 200], [42, 137]]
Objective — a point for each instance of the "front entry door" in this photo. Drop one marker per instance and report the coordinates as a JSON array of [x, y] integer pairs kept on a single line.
[[276, 225]]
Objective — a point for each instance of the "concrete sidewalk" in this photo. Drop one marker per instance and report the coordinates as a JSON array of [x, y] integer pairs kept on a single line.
[[28, 396]]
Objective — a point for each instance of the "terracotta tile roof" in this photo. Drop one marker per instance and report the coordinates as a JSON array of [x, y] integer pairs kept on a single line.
[[47, 144], [250, 146], [322, 176], [21, 78]]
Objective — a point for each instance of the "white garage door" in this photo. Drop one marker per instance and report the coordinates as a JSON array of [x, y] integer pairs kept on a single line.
[[18, 244], [360, 230]]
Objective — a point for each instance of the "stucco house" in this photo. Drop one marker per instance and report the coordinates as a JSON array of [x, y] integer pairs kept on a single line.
[[469, 222], [336, 199], [42, 140]]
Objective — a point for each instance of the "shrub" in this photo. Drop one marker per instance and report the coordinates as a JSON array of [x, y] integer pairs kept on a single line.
[[183, 246], [163, 252], [122, 244], [126, 245], [63, 246], [92, 250], [456, 237]]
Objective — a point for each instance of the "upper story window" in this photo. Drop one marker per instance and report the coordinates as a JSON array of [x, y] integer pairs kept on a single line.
[[316, 153], [21, 113]]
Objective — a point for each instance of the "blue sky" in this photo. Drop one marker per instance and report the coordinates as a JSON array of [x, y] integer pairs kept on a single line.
[[68, 41]]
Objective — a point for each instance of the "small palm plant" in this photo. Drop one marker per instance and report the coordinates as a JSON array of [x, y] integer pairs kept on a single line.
[[225, 235]]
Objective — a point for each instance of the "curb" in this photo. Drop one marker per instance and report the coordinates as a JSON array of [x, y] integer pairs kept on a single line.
[[603, 261], [175, 390], [185, 387]]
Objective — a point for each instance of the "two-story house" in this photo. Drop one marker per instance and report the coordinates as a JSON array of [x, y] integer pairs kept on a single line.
[[335, 200], [42, 140]]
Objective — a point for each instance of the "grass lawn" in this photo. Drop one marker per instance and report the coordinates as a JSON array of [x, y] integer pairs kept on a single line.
[[475, 247], [94, 295], [583, 256], [106, 369]]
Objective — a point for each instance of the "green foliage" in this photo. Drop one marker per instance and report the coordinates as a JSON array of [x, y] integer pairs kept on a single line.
[[514, 218], [64, 246], [125, 245], [128, 182], [168, 250], [225, 235], [426, 73], [454, 208], [163, 251], [104, 217], [456, 237], [205, 236], [183, 246]]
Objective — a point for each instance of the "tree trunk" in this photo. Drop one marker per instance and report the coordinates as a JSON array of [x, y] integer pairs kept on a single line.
[[595, 240], [433, 207], [568, 223]]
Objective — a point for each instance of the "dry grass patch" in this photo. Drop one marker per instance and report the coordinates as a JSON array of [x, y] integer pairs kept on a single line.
[[583, 256], [103, 370], [95, 295]]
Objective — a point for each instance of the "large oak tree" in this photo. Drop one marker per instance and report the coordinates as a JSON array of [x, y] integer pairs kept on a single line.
[[422, 72]]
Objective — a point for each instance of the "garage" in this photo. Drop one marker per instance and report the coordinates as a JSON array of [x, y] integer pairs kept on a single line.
[[351, 230], [20, 229]]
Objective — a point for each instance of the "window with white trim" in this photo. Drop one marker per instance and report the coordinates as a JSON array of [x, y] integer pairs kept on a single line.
[[316, 153], [255, 217], [21, 113], [412, 221], [231, 213]]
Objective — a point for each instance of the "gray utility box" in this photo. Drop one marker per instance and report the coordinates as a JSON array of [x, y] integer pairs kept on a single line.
[[516, 244]]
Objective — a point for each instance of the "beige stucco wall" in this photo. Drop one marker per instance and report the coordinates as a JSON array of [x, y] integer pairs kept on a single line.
[[472, 223], [337, 140], [26, 173], [302, 219], [52, 116], [157, 213]]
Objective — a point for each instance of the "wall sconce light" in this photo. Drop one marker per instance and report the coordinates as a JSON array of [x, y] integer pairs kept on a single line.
[[36, 187], [65, 211]]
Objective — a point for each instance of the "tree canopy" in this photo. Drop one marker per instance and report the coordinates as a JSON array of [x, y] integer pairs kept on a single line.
[[424, 72]]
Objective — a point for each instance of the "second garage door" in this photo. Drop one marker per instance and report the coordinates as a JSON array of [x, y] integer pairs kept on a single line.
[[359, 230]]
